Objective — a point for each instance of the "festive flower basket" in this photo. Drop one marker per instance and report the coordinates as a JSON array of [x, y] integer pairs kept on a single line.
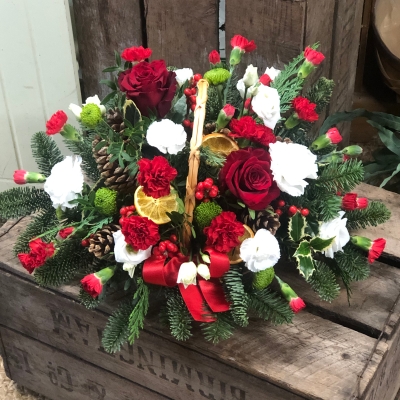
[[198, 186]]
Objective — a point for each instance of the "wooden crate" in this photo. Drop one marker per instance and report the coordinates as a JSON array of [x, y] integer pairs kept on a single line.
[[52, 345], [183, 32]]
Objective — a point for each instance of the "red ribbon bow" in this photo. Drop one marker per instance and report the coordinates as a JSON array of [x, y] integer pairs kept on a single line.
[[206, 291]]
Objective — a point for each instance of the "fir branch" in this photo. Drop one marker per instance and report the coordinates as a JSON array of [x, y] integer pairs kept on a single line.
[[375, 214], [321, 93], [85, 150], [179, 319], [23, 201], [45, 152], [87, 300], [328, 206], [212, 106], [323, 281], [221, 329], [43, 222], [270, 306], [236, 296], [116, 331], [233, 96], [353, 263], [138, 314], [340, 177]]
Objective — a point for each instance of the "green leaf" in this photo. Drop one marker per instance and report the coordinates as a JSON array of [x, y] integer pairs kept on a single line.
[[304, 249], [193, 233], [305, 263], [132, 113], [175, 217], [178, 112], [341, 117], [108, 97], [118, 60], [252, 214], [395, 172], [388, 137], [319, 244], [297, 226], [241, 204], [111, 84], [111, 69], [312, 228]]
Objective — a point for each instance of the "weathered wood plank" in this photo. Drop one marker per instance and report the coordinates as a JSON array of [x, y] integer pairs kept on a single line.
[[276, 26], [60, 376], [312, 358], [182, 32], [102, 27]]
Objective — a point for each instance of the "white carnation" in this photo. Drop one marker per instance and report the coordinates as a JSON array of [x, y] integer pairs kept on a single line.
[[260, 252], [335, 228], [240, 86], [266, 104], [291, 164], [250, 77], [65, 182], [272, 72], [187, 274], [183, 75], [76, 110], [167, 136]]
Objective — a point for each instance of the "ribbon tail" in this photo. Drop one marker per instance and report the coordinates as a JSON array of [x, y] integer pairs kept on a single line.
[[214, 295], [195, 303]]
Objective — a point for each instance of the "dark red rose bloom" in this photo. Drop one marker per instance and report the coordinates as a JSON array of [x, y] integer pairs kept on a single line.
[[313, 56], [56, 122], [151, 87], [305, 109], [349, 201], [155, 176], [247, 174], [265, 80], [139, 232], [214, 57], [243, 44], [92, 285], [136, 54], [224, 232], [64, 233], [376, 250], [246, 127]]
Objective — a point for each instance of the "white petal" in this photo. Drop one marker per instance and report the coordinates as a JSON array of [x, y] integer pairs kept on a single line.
[[76, 110]]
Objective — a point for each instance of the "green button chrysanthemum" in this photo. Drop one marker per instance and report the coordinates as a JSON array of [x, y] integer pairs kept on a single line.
[[106, 201], [217, 76], [91, 115]]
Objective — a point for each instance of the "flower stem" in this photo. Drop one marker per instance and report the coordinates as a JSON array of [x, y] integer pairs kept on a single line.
[[231, 70], [244, 101]]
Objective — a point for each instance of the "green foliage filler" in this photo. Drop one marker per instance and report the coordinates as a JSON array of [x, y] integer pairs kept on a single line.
[[221, 329], [323, 281], [213, 106], [87, 300], [321, 93], [138, 314], [106, 201], [178, 316], [352, 263], [45, 152], [205, 212], [263, 278], [375, 214]]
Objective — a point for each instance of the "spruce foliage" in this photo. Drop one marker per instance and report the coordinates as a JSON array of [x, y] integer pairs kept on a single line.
[[221, 329], [212, 106], [87, 300], [375, 214], [45, 152], [179, 319], [236, 295], [352, 263], [23, 201], [329, 206], [269, 305], [323, 281], [321, 93], [138, 314], [116, 332]]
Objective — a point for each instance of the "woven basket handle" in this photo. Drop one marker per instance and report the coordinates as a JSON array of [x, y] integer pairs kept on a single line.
[[194, 158]]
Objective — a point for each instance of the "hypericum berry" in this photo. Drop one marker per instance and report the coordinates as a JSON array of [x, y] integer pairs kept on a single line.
[[305, 212], [208, 183], [193, 91], [156, 251], [191, 125], [187, 92], [292, 210], [197, 77], [278, 211], [213, 193], [173, 238], [123, 210], [281, 203], [85, 243], [173, 248], [199, 195], [121, 220], [200, 186], [162, 247], [193, 107], [193, 99], [186, 123]]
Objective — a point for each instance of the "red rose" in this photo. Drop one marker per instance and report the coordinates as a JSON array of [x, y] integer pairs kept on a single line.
[[247, 174], [313, 56], [92, 285], [136, 54], [140, 232], [246, 127], [265, 80], [155, 176], [56, 122], [214, 57], [224, 232], [150, 85], [305, 109], [64, 233]]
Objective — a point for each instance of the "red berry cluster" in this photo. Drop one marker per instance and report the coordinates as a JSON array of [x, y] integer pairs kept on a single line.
[[206, 190], [167, 248], [126, 212], [291, 209]]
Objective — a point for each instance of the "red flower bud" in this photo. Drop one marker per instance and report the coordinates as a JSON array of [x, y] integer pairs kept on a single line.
[[334, 136], [297, 304], [349, 201], [56, 122], [313, 56], [243, 44], [376, 250], [265, 80], [228, 110], [214, 57], [136, 54], [64, 233], [362, 202]]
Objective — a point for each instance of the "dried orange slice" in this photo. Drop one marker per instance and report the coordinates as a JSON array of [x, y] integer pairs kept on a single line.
[[234, 255], [220, 143], [156, 209]]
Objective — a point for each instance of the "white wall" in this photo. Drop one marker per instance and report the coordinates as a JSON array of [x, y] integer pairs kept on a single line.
[[38, 76]]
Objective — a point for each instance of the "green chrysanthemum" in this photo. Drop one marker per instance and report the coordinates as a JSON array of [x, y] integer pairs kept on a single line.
[[263, 278], [91, 115], [205, 212], [106, 201], [217, 76]]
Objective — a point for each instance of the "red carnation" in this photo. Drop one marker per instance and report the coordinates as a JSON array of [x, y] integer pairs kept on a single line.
[[37, 246], [247, 174], [313, 56], [243, 44], [362, 202], [376, 249], [92, 285], [39, 253], [56, 122], [224, 232], [334, 136], [155, 176], [247, 104], [136, 54], [139, 232], [297, 304], [265, 80], [64, 233], [214, 57], [246, 127], [229, 110], [304, 109], [349, 201]]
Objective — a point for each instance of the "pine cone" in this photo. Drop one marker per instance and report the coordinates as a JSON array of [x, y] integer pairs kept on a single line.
[[115, 120], [102, 242], [263, 220], [114, 176]]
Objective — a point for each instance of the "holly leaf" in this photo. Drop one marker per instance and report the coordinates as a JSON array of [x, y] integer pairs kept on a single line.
[[252, 214], [312, 228], [319, 244], [297, 225], [178, 111], [305, 263], [132, 113]]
